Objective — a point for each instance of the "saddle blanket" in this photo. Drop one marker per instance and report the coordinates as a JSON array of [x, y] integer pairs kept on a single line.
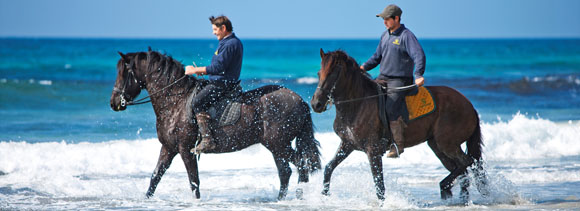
[[420, 104], [228, 115]]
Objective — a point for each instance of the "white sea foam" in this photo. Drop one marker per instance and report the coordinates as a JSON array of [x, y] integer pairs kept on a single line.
[[45, 82], [307, 80], [515, 150], [530, 138]]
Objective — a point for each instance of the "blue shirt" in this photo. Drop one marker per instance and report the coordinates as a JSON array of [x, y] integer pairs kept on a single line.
[[226, 63], [398, 53]]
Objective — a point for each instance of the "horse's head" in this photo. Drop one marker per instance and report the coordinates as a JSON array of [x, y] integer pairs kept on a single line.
[[129, 81], [332, 67]]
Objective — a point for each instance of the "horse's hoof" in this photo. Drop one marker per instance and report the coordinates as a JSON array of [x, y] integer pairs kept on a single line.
[[446, 194], [300, 193]]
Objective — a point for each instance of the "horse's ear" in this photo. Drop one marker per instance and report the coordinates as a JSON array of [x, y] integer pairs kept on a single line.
[[321, 53], [123, 56]]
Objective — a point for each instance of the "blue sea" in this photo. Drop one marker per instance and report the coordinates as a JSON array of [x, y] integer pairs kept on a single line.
[[62, 147]]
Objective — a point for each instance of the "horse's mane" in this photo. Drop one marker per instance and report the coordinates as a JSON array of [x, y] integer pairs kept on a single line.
[[164, 68], [357, 78]]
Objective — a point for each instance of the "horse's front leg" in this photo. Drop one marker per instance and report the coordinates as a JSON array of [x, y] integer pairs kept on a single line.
[[376, 162], [165, 158], [190, 162], [284, 172], [342, 153]]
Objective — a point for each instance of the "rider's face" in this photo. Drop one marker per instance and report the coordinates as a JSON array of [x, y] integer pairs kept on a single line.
[[219, 32], [391, 23]]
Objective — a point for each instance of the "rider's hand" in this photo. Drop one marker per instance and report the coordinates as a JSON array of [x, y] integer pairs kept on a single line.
[[420, 81], [189, 70]]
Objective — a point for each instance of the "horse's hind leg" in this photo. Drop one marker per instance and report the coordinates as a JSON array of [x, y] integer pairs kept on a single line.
[[451, 165], [461, 161], [342, 153], [447, 163], [284, 172], [163, 163]]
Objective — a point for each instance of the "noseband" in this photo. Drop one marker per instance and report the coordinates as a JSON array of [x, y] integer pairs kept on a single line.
[[330, 95], [127, 80]]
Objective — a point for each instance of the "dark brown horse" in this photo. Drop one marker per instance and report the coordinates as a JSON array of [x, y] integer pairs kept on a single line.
[[271, 115], [358, 125]]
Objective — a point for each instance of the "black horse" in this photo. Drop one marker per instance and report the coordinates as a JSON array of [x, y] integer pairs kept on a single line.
[[270, 115], [453, 122]]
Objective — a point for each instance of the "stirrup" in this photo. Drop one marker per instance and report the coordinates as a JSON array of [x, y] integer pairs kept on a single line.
[[396, 150]]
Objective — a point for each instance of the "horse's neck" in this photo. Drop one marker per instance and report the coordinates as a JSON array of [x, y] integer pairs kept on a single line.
[[354, 88], [166, 92]]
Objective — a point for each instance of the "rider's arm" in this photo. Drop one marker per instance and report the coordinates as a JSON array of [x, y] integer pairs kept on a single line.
[[376, 58], [416, 52]]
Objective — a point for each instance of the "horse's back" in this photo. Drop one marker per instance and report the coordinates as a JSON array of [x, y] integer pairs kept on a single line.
[[450, 98], [455, 113], [253, 95]]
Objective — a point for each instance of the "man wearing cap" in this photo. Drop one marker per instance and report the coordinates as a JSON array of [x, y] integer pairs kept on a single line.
[[224, 73], [399, 53]]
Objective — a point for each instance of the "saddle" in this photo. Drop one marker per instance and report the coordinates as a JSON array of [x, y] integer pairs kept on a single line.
[[418, 103], [227, 110]]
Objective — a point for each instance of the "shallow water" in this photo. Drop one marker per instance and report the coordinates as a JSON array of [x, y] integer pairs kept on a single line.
[[115, 175]]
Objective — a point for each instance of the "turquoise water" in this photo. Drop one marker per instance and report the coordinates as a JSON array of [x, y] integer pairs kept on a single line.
[[59, 89], [62, 147]]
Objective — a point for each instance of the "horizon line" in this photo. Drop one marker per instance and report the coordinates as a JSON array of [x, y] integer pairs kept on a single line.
[[280, 38]]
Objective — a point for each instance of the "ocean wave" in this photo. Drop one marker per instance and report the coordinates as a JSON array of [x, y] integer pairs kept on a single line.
[[30, 81], [521, 138], [307, 80], [528, 85], [121, 168]]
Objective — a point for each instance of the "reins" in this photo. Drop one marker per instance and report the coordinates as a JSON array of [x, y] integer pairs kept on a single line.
[[393, 89], [143, 100]]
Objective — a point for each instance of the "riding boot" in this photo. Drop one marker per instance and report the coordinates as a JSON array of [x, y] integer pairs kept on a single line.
[[203, 120], [397, 128]]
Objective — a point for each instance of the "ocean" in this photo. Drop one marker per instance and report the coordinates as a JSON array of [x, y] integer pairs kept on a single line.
[[63, 148]]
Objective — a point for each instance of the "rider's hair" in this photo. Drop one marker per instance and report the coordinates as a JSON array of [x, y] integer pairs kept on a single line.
[[220, 21]]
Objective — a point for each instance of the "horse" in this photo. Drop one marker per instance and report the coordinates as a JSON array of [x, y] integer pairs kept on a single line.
[[357, 123], [270, 115]]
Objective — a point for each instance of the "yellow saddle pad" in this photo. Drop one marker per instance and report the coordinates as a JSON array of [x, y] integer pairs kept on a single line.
[[420, 104]]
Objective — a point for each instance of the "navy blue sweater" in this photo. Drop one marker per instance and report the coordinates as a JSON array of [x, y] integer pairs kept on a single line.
[[226, 63], [398, 53]]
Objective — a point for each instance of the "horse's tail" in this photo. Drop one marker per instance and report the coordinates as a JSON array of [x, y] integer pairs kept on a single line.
[[474, 146], [475, 143], [307, 152]]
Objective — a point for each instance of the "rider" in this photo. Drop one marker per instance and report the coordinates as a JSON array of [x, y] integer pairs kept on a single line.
[[398, 52], [224, 73]]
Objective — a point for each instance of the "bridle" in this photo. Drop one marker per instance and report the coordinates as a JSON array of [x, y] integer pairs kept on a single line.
[[130, 74], [330, 95], [143, 100]]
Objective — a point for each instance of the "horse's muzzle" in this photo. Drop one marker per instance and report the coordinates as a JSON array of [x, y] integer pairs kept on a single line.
[[317, 105], [116, 104]]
